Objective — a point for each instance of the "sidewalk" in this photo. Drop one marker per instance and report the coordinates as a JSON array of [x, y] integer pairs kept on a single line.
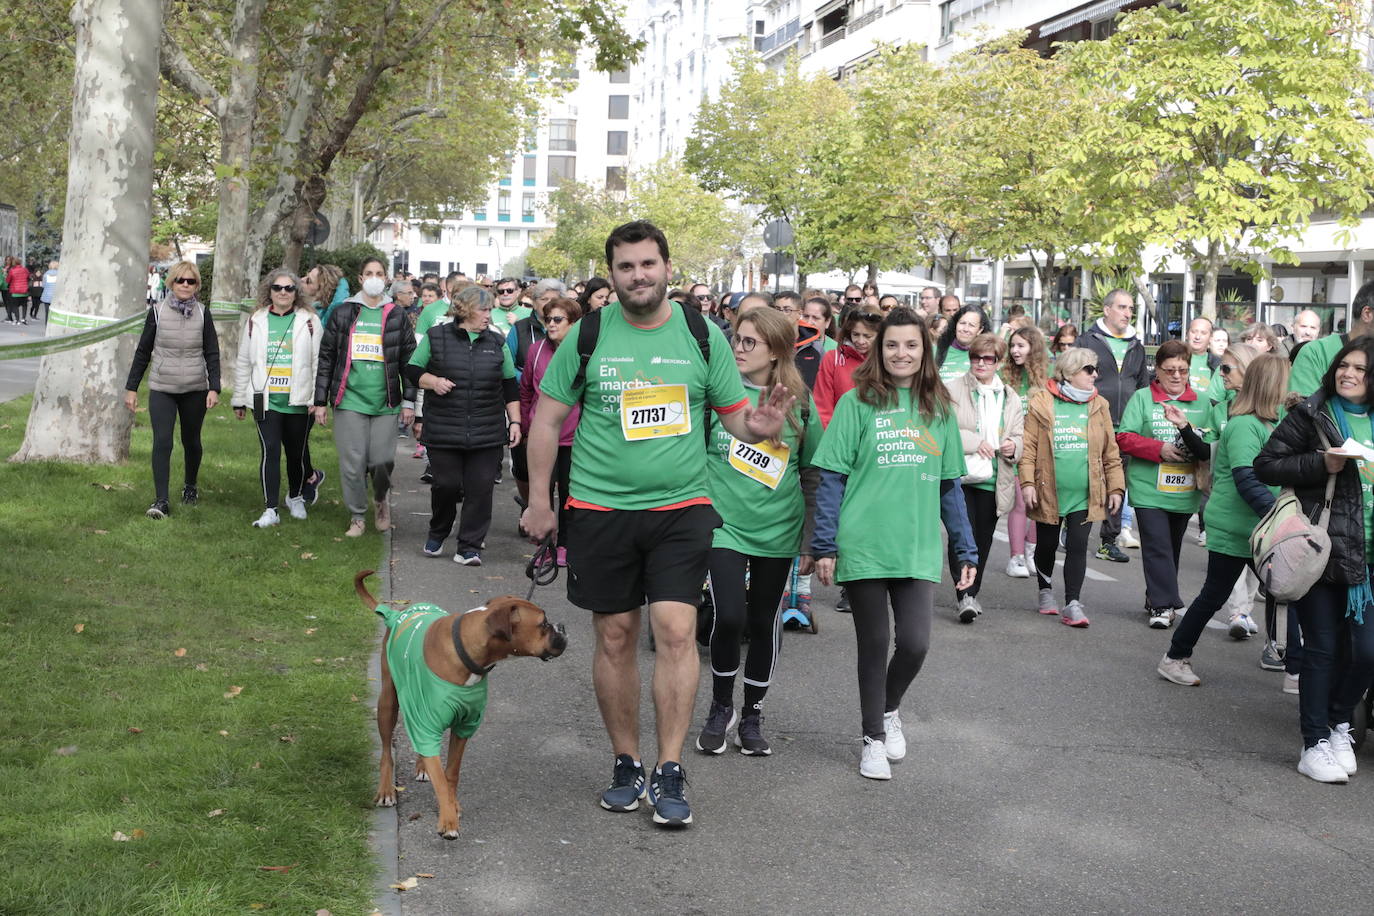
[[17, 376]]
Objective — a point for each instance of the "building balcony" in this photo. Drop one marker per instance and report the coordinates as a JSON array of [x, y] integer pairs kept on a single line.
[[868, 18], [779, 38], [829, 38], [527, 218], [503, 217]]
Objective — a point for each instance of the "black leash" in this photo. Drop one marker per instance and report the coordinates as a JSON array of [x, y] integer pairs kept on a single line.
[[542, 569]]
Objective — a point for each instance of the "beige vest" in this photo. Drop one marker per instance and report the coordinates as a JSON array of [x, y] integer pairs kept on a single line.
[[178, 363]]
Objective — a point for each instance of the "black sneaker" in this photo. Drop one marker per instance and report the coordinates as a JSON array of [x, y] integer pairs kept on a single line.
[[1109, 551], [310, 490], [749, 739], [627, 785], [668, 795], [719, 720], [189, 495], [843, 604], [159, 509], [426, 477]]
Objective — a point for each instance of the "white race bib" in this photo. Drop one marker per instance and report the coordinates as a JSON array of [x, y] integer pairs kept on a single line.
[[367, 347], [655, 412], [761, 461]]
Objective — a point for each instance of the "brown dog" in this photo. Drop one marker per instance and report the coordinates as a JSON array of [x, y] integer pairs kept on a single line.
[[434, 667]]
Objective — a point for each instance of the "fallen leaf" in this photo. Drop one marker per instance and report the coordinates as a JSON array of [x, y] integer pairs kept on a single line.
[[280, 868], [233, 691], [107, 487], [257, 906], [78, 628], [216, 813], [99, 531], [138, 834], [120, 837], [287, 739], [134, 730], [310, 631], [308, 556], [352, 698], [201, 666], [318, 661], [223, 733], [66, 750], [257, 765], [323, 913], [407, 884], [416, 816], [180, 653], [491, 578], [421, 874]]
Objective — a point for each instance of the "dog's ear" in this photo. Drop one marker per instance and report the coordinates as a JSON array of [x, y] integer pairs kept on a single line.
[[499, 622]]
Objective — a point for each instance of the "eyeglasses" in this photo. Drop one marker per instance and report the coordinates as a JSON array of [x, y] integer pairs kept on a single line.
[[989, 358], [283, 288], [1177, 370], [555, 319], [187, 281], [785, 309], [745, 344], [870, 316]]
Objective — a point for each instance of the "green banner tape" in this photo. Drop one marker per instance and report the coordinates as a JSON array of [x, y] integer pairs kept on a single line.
[[92, 329]]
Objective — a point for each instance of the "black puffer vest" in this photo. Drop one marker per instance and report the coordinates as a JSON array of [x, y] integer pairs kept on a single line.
[[473, 414]]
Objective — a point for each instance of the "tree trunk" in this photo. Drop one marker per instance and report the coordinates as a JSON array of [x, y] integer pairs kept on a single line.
[[298, 227], [1211, 270], [78, 412]]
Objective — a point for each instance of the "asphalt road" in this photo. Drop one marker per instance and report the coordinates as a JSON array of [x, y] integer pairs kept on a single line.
[[17, 376], [1048, 769]]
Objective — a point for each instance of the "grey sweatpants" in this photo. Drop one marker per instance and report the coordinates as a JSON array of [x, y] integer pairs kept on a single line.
[[367, 445]]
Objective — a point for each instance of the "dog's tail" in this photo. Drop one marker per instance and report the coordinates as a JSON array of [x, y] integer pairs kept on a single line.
[[369, 601]]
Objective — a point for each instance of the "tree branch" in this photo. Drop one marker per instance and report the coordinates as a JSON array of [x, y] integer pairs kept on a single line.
[[180, 72]]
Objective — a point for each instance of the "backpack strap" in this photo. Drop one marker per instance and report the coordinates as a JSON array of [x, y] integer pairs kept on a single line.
[[588, 333], [696, 323]]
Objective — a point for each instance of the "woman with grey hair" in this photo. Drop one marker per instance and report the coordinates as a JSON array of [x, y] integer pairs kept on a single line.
[[1260, 336], [275, 376], [472, 412]]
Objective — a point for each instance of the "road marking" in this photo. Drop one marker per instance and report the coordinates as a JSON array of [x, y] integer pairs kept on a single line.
[[1089, 572]]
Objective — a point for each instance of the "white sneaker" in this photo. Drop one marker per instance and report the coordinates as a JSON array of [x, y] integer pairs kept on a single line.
[[896, 741], [1177, 671], [1343, 747], [1160, 617], [873, 764], [1238, 628], [1016, 567], [1290, 683], [1317, 762], [1127, 538], [268, 518], [1202, 539], [296, 506]]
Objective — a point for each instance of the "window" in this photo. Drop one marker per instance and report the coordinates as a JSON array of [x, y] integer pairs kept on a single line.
[[758, 26], [483, 236], [503, 207], [561, 168], [530, 173], [431, 235], [620, 76], [618, 107], [617, 142], [526, 208], [482, 267], [429, 267], [615, 178], [512, 237], [563, 134]]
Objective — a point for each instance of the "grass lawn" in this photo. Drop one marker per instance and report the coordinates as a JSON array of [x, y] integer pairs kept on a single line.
[[194, 684]]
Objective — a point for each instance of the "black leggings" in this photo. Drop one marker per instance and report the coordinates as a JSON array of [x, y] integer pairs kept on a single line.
[[1076, 530], [35, 300], [163, 410], [883, 681], [759, 607], [14, 306], [274, 431], [982, 518], [1161, 543], [562, 472]]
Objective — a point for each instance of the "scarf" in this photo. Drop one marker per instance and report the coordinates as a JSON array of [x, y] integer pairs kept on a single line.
[[1359, 596], [184, 307], [1078, 395], [989, 401]]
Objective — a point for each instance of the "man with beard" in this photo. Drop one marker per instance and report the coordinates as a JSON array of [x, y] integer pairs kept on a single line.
[[640, 521]]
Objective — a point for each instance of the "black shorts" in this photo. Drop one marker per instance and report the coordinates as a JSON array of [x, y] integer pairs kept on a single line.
[[618, 559], [519, 466]]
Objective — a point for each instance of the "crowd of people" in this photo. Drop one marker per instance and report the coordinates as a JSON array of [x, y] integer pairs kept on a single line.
[[665, 438], [27, 289]]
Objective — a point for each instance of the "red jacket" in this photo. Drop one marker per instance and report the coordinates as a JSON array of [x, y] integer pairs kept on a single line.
[[1138, 446], [834, 377], [18, 279]]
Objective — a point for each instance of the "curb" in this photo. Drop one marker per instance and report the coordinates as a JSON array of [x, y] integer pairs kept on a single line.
[[386, 822]]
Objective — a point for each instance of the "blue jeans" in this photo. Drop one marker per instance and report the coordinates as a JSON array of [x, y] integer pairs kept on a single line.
[[1337, 661]]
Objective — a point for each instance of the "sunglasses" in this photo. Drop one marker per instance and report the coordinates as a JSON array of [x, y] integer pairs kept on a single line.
[[744, 344], [1178, 370], [1091, 370], [505, 292], [991, 359], [853, 298], [187, 281], [870, 316], [283, 288], [706, 298], [1228, 369], [555, 319]]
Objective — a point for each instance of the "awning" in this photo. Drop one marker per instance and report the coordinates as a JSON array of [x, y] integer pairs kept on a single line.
[[1099, 10]]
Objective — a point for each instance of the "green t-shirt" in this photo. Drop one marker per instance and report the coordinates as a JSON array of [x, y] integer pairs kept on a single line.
[[1172, 487], [365, 391], [889, 526], [280, 342], [504, 319], [422, 354], [1070, 446], [756, 492], [1219, 415], [1199, 375], [955, 364], [828, 344], [1312, 362], [429, 316], [1229, 519], [1361, 432], [429, 704], [1118, 346], [643, 450]]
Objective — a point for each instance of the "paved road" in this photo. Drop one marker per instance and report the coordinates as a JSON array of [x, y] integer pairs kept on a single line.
[[17, 376], [1049, 768]]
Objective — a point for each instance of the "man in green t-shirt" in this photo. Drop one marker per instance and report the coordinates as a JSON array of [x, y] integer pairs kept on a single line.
[[640, 520], [1312, 361], [508, 308]]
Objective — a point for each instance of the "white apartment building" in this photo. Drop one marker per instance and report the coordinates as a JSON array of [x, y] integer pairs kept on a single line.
[[584, 135]]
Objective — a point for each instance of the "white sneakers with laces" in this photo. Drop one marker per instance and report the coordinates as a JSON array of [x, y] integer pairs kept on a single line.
[[1017, 567], [896, 740], [296, 506], [1343, 747], [873, 764], [1319, 763], [1127, 538], [268, 518]]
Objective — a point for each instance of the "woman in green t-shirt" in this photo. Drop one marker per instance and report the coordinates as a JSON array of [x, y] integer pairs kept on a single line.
[[951, 352], [1026, 371], [1237, 502], [764, 493], [1159, 429], [890, 467]]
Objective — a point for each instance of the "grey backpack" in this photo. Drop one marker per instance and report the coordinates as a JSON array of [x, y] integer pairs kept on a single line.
[[1290, 549]]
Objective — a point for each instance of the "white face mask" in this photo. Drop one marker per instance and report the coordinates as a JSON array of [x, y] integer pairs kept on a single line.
[[373, 286]]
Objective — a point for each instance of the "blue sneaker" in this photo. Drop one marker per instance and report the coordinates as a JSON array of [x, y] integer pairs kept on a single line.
[[467, 558], [627, 785], [668, 796], [433, 547], [310, 489]]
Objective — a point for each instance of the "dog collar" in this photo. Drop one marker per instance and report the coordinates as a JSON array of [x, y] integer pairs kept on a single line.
[[477, 670]]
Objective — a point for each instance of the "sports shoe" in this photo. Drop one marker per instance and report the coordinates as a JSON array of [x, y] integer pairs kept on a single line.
[[382, 516], [1239, 628], [426, 477], [969, 609], [468, 558], [1250, 624], [1202, 538], [1271, 658], [749, 739], [627, 785], [873, 764], [419, 451], [433, 547], [1177, 671], [1319, 763], [1290, 684], [1127, 538], [719, 720], [843, 604], [1160, 617], [1073, 616], [1343, 747], [268, 518], [355, 528], [895, 743], [159, 509], [189, 495], [668, 795], [296, 506], [310, 490], [1016, 567], [1048, 606], [1109, 551]]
